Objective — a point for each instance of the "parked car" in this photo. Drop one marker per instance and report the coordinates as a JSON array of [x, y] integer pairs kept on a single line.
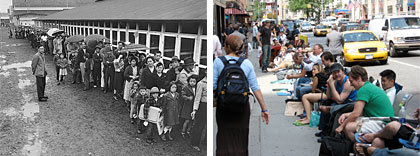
[[400, 33], [290, 24], [321, 30], [363, 46], [365, 22], [305, 26]]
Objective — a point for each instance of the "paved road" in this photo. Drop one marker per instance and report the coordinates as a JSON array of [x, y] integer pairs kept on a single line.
[[281, 138], [72, 122]]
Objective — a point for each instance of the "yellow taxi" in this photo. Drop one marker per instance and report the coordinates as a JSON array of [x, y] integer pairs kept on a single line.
[[321, 30], [363, 46]]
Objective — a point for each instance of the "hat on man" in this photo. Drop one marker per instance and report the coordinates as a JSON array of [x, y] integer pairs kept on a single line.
[[98, 47], [336, 66], [107, 41], [188, 61], [174, 58], [142, 87], [154, 90]]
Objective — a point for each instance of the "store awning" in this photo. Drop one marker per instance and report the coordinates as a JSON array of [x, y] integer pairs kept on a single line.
[[234, 11]]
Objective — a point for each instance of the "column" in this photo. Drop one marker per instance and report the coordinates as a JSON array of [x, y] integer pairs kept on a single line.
[[405, 7], [377, 7], [386, 7], [369, 8], [417, 8]]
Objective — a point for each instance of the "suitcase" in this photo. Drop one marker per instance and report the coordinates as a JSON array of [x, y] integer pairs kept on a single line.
[[154, 114]]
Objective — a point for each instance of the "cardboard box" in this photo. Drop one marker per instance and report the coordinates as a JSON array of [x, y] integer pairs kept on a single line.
[[154, 114]]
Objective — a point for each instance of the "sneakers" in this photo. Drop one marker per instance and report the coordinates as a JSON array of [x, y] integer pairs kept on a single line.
[[183, 135], [115, 97], [94, 86]]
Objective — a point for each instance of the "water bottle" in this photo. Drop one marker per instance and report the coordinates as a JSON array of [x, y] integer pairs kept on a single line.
[[401, 114]]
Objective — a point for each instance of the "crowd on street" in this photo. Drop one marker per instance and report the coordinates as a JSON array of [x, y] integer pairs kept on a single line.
[[334, 98]]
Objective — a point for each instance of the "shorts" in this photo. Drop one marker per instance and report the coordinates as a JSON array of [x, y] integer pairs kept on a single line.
[[372, 126], [404, 133]]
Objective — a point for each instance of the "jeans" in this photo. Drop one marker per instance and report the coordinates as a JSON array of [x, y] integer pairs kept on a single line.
[[394, 152], [303, 80], [96, 76], [86, 77], [266, 56], [300, 91], [40, 86], [254, 42]]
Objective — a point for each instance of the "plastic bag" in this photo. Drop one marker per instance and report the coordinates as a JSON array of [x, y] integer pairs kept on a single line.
[[314, 119]]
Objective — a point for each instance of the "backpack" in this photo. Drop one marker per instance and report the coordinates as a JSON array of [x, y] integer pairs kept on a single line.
[[232, 87]]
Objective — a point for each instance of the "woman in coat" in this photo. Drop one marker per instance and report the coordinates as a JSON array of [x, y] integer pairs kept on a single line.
[[131, 73]]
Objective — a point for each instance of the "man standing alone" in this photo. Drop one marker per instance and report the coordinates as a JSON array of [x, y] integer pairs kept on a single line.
[[335, 42], [263, 38], [39, 70]]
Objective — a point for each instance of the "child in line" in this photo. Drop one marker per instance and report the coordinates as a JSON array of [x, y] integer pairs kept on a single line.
[[141, 99], [134, 93], [170, 111], [151, 128], [188, 94], [62, 63]]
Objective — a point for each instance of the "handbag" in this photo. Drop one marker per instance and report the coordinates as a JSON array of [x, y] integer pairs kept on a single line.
[[315, 115], [335, 146], [293, 108]]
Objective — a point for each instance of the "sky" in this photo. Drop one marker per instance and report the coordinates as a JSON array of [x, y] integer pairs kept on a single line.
[[4, 5]]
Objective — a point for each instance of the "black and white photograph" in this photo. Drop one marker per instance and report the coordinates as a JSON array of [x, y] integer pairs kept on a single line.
[[103, 77]]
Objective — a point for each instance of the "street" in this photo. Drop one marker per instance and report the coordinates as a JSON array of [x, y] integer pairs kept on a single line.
[[281, 138], [72, 122]]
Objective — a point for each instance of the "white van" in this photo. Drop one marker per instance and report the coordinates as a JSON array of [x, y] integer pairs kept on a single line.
[[400, 33]]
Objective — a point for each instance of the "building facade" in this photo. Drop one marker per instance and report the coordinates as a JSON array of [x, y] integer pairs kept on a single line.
[[181, 33], [23, 12]]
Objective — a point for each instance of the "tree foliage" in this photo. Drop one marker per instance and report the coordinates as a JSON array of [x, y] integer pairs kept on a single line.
[[258, 9], [296, 5]]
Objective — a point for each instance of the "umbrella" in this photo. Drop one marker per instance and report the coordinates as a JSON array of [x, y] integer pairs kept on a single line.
[[75, 38], [53, 31], [96, 37]]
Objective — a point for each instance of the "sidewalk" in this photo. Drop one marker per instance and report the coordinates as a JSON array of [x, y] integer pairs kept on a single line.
[[280, 136]]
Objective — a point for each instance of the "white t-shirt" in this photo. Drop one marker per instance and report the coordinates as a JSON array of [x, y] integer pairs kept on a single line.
[[391, 94]]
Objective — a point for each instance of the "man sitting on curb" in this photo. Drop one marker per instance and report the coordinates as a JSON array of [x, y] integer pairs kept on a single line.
[[388, 137], [371, 101], [389, 85]]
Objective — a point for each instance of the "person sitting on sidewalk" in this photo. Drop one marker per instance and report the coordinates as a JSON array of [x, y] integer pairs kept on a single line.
[[339, 89], [319, 81], [371, 101], [389, 85], [388, 137]]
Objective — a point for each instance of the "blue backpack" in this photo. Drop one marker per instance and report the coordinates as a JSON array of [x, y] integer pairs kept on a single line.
[[232, 87]]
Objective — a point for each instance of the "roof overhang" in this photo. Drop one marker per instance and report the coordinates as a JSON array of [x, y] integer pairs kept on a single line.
[[41, 8]]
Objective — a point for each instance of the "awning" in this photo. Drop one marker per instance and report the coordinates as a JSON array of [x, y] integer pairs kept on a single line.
[[234, 11]]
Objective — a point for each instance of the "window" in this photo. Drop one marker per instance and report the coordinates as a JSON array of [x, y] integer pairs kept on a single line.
[[114, 36], [107, 34], [142, 39], [123, 25], [190, 28], [95, 31], [187, 48], [156, 26], [154, 43], [131, 37], [132, 25], [143, 26], [171, 27], [169, 47], [101, 31], [122, 36], [203, 52]]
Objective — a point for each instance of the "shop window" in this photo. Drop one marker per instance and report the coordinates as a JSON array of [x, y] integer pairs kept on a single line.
[[187, 48]]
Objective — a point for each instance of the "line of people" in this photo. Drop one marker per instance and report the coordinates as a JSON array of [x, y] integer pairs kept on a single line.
[[137, 78]]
